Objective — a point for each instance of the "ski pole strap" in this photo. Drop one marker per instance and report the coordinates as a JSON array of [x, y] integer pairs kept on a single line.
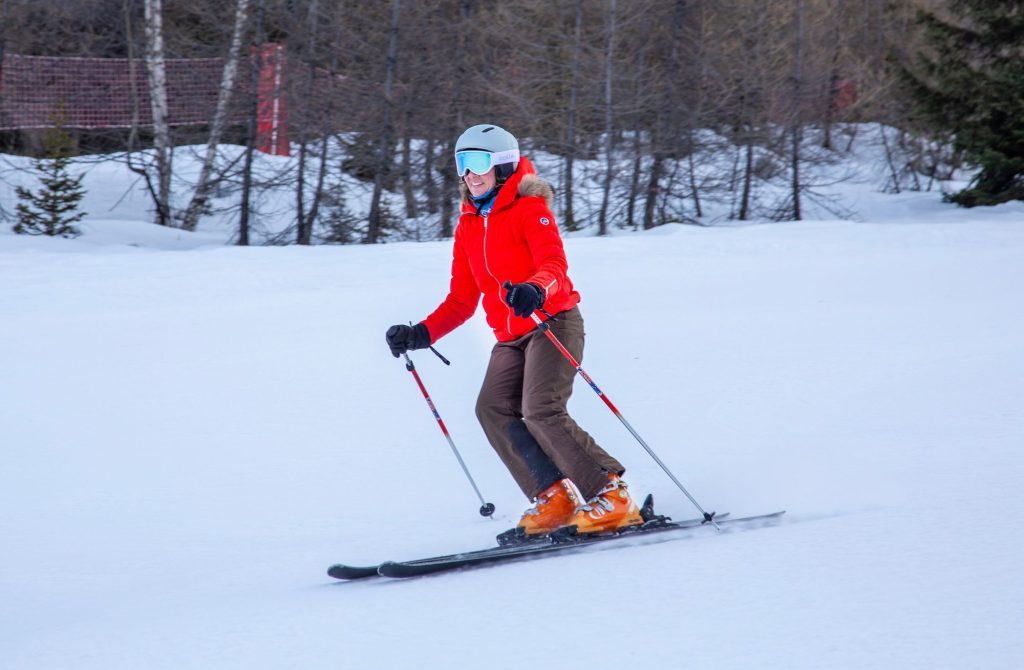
[[436, 353]]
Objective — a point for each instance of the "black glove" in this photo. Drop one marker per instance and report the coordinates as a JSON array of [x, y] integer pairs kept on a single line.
[[402, 338], [524, 299]]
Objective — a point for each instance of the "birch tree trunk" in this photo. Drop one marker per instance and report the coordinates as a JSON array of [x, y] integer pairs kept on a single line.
[[197, 204], [133, 133], [157, 76]]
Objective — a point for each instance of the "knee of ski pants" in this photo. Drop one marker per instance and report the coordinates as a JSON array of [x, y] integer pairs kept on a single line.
[[488, 407], [541, 411]]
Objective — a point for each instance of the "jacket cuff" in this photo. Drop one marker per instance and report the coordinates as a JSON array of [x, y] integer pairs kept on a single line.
[[422, 335]]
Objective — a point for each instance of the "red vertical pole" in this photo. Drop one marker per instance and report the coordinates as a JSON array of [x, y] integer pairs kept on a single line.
[[271, 135]]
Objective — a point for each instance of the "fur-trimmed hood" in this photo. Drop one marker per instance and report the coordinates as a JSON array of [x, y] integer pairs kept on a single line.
[[532, 185]]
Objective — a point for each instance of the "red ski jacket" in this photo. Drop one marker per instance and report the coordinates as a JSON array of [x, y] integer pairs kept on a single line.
[[517, 242]]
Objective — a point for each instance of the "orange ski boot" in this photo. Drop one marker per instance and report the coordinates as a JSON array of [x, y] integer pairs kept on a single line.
[[610, 510], [554, 507]]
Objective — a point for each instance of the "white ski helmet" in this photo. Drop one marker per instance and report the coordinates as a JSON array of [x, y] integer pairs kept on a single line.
[[482, 147]]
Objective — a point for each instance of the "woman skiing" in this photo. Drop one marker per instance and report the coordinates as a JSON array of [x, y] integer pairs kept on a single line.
[[508, 235]]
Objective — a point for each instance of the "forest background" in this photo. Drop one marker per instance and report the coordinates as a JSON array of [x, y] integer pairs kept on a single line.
[[667, 105]]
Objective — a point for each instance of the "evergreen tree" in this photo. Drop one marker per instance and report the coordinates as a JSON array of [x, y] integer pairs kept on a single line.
[[53, 209], [971, 85]]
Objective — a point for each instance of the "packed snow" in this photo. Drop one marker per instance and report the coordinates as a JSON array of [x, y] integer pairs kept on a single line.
[[193, 432]]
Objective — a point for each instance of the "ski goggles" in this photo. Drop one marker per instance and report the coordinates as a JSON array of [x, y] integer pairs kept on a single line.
[[480, 162]]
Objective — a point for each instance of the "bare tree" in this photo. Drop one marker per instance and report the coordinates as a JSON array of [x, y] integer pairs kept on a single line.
[[375, 220], [665, 129], [317, 121], [609, 119], [571, 112], [796, 121], [200, 196], [157, 76], [833, 75], [245, 212]]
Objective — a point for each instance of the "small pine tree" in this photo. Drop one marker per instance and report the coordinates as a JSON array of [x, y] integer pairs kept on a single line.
[[971, 85], [53, 209], [340, 226]]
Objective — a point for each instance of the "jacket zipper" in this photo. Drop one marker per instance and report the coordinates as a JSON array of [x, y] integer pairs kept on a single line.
[[508, 319]]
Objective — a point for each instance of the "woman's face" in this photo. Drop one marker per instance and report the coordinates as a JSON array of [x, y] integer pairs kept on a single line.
[[478, 184]]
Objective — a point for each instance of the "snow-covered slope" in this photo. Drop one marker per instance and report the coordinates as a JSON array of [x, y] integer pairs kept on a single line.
[[190, 437]]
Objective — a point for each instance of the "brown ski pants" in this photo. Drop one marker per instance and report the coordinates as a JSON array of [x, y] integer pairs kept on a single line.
[[522, 408]]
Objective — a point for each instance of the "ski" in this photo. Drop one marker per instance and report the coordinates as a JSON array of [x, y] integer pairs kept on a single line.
[[513, 545], [509, 540], [558, 543], [350, 572], [353, 572]]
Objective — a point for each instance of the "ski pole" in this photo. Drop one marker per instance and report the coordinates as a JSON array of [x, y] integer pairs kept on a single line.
[[486, 508], [546, 329]]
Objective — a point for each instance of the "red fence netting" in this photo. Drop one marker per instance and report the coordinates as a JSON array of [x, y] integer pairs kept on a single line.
[[97, 93]]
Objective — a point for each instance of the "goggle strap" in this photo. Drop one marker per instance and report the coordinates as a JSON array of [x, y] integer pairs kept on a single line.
[[499, 157]]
